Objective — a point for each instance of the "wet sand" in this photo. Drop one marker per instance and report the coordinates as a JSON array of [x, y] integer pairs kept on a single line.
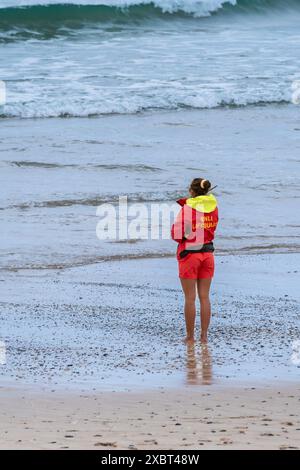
[[119, 325], [94, 358]]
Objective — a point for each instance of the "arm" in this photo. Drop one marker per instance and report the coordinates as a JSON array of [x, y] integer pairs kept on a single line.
[[180, 228]]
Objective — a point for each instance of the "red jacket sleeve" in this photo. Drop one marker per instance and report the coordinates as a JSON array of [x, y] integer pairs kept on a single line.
[[177, 230]]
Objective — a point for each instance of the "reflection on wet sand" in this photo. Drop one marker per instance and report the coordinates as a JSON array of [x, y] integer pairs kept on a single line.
[[198, 365]]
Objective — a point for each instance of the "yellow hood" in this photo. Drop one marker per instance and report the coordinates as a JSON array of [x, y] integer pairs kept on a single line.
[[206, 203]]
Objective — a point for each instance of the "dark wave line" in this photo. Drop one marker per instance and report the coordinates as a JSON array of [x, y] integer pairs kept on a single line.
[[52, 17], [243, 251], [100, 166], [222, 104], [97, 200]]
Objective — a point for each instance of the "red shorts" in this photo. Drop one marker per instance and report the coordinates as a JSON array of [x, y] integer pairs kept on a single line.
[[197, 266]]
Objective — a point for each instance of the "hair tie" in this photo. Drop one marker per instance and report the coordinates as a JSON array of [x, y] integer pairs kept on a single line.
[[202, 183]]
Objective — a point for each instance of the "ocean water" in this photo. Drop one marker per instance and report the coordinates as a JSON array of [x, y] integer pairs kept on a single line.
[[94, 57], [109, 98]]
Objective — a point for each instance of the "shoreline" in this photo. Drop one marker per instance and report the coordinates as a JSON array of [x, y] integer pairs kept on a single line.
[[76, 330], [263, 250]]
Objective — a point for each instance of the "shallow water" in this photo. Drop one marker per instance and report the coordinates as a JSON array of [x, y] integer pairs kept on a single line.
[[54, 174]]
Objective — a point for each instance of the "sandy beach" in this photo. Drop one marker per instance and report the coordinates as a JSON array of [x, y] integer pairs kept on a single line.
[[230, 418], [103, 371], [135, 98]]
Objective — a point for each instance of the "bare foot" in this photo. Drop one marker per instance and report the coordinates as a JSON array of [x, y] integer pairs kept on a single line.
[[203, 338], [188, 340]]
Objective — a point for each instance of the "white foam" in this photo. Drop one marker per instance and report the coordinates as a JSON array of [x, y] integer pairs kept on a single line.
[[162, 99], [199, 7]]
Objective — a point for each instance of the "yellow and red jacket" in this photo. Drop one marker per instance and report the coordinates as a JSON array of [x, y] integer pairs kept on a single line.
[[196, 223]]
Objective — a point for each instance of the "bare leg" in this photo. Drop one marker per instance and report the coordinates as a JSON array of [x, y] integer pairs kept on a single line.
[[189, 289], [203, 286]]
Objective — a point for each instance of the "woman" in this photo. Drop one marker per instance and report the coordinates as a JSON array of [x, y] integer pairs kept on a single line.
[[194, 231]]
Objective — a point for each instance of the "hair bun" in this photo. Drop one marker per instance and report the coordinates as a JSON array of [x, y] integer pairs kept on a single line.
[[200, 186], [205, 184]]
